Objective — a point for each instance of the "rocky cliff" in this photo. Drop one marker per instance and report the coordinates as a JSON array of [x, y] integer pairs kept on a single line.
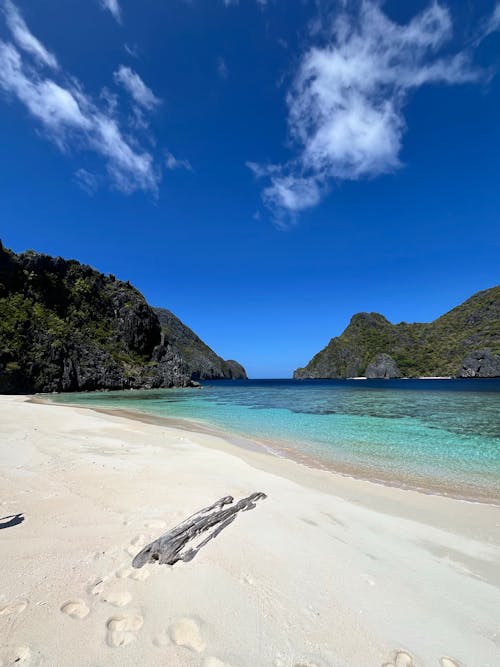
[[66, 327], [201, 360], [464, 342]]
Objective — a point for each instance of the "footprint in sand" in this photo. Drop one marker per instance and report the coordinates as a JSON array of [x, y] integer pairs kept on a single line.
[[186, 632], [107, 592], [404, 659], [97, 588], [125, 572], [121, 630], [75, 609], [214, 662], [136, 545], [15, 607], [116, 598], [161, 639], [401, 659], [139, 575]]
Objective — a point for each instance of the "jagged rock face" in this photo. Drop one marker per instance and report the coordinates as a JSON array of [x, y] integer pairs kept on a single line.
[[383, 367], [66, 327], [201, 361], [137, 324], [480, 364], [418, 349]]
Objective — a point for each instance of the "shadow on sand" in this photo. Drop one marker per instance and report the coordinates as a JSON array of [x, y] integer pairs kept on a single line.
[[10, 521]]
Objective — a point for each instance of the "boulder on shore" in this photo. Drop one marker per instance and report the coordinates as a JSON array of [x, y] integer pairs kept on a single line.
[[383, 367], [480, 364]]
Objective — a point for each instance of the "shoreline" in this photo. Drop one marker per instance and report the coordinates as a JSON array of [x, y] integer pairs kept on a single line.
[[280, 450], [328, 570]]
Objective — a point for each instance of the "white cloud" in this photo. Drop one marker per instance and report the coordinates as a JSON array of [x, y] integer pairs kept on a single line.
[[493, 23], [55, 106], [292, 193], [113, 7], [72, 119], [346, 105], [259, 170], [24, 38], [136, 88], [171, 162]]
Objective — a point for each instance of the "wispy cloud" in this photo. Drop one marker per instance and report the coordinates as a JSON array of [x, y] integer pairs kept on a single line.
[[113, 7], [229, 3], [493, 22], [132, 50], [171, 162], [87, 181], [136, 88], [24, 38], [346, 104], [71, 118], [222, 69]]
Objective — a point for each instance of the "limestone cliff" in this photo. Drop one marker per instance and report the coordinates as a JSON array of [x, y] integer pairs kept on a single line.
[[202, 362], [66, 327], [464, 342]]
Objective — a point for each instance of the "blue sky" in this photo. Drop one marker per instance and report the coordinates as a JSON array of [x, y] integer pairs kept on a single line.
[[263, 169]]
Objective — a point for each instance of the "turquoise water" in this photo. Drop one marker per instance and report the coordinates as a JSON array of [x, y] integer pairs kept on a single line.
[[441, 435]]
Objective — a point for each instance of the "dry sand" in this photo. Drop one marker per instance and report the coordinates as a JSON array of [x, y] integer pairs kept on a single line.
[[327, 571]]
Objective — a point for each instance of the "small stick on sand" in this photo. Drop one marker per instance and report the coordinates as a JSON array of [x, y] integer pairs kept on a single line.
[[169, 547]]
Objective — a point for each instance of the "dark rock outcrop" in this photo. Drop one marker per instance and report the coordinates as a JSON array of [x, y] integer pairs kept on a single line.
[[446, 347], [234, 370], [201, 361], [66, 327], [383, 367], [480, 364]]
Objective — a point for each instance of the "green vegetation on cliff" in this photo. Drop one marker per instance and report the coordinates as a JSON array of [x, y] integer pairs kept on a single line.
[[66, 327], [465, 342]]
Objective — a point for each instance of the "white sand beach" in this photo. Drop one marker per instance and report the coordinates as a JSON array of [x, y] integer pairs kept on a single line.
[[327, 571]]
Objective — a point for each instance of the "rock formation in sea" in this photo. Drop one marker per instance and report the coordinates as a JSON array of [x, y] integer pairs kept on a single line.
[[66, 327], [464, 342]]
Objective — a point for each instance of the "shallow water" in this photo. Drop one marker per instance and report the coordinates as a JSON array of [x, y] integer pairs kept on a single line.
[[439, 435]]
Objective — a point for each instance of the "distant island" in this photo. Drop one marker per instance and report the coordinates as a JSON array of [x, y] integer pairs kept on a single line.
[[465, 342], [66, 327]]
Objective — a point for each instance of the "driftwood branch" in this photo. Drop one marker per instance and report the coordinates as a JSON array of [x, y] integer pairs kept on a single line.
[[174, 545]]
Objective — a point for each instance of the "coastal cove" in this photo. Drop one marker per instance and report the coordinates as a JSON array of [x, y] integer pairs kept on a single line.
[[250, 334], [327, 570], [436, 436]]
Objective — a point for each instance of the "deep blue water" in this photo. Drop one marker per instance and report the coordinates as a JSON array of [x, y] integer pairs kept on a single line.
[[434, 434]]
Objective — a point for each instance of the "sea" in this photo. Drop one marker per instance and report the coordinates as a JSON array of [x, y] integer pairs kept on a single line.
[[437, 436]]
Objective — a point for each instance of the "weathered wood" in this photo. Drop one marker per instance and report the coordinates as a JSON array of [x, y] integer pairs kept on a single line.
[[174, 545]]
